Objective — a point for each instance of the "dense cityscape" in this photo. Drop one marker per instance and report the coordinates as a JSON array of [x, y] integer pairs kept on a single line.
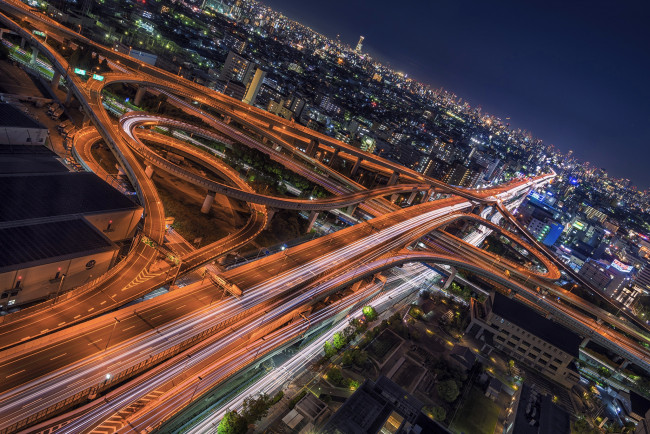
[[217, 219]]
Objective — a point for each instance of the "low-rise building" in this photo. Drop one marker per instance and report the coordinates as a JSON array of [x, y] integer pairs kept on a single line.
[[17, 128]]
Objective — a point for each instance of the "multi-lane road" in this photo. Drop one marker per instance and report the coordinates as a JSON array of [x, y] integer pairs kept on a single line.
[[77, 358]]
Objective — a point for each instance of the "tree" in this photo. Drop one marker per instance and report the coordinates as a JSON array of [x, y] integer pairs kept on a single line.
[[335, 376], [448, 390], [370, 313], [338, 341], [232, 423], [436, 413], [329, 350], [255, 408]]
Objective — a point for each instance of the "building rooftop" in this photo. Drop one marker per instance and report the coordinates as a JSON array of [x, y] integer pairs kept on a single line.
[[26, 197], [12, 116], [25, 159], [531, 321], [31, 245]]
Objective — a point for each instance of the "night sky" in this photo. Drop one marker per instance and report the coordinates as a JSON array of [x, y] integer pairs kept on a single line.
[[576, 74]]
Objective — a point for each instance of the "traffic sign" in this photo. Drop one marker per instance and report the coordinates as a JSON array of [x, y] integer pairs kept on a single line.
[[98, 77], [80, 71]]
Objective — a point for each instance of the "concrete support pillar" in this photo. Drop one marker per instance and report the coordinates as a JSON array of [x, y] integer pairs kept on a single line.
[[207, 203], [139, 95], [356, 166], [34, 54], [86, 120], [56, 78], [450, 279], [22, 43], [149, 171], [321, 155], [312, 219], [270, 212], [394, 197], [412, 197], [351, 209], [312, 147], [68, 96], [429, 194], [624, 364], [334, 155], [393, 178], [227, 119]]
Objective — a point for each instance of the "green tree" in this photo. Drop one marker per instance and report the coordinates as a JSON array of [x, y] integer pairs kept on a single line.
[[232, 423], [448, 390], [436, 413], [370, 313], [256, 408], [335, 376], [329, 350], [338, 341]]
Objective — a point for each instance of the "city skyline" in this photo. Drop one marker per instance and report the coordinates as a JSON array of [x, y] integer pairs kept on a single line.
[[576, 85]]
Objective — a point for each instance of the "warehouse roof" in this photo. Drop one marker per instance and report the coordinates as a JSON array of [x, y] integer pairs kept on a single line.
[[26, 197], [12, 116], [30, 245]]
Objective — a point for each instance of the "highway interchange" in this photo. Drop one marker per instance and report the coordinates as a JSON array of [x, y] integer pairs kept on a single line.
[[160, 347]]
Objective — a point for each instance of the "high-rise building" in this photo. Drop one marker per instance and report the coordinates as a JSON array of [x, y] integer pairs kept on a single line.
[[237, 68], [254, 87], [359, 44]]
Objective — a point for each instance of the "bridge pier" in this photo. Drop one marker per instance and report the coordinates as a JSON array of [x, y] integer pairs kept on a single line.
[[412, 197], [22, 43], [270, 212], [429, 194], [207, 203], [356, 166], [450, 279], [148, 171], [34, 55], [312, 219], [351, 209], [333, 157], [68, 96], [86, 120], [393, 178], [312, 148], [394, 197], [56, 79], [139, 94], [321, 156], [227, 119]]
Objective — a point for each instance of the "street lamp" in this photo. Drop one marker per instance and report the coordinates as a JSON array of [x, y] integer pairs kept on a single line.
[[195, 389], [59, 288], [111, 334]]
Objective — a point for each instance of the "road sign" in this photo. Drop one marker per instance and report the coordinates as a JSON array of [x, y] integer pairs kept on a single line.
[[80, 71], [98, 77], [39, 33]]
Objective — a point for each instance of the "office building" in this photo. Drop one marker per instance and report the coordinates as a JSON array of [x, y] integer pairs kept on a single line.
[[254, 87], [527, 336], [235, 89], [359, 46], [237, 68]]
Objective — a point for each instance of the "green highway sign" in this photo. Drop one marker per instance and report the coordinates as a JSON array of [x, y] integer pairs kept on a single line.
[[39, 33], [80, 71], [98, 77]]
